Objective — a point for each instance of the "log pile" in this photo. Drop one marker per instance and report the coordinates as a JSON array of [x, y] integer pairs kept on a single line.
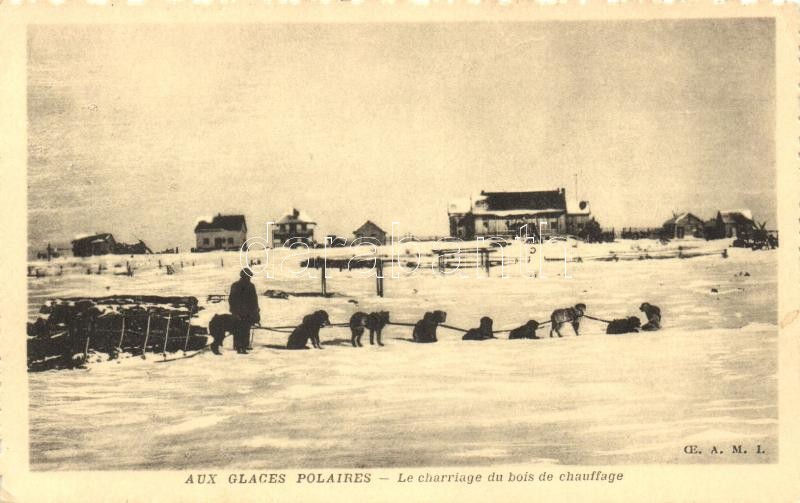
[[341, 264], [73, 331]]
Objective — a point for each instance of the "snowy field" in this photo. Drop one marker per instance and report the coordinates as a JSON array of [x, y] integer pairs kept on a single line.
[[707, 378]]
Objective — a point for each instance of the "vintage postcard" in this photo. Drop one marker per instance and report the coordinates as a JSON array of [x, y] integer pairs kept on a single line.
[[454, 251]]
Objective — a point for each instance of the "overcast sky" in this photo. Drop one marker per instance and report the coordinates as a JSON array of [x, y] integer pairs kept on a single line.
[[141, 130]]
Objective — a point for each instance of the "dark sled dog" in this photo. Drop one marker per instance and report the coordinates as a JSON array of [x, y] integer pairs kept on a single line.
[[483, 332], [308, 329], [220, 326], [624, 326], [526, 331], [425, 329], [374, 322]]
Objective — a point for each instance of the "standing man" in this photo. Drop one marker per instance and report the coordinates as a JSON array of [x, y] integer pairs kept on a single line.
[[243, 303]]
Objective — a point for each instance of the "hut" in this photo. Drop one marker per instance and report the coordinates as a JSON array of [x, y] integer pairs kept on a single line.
[[372, 232], [684, 225], [731, 224], [97, 244]]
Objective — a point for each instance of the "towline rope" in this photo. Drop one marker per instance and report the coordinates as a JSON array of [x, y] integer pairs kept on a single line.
[[596, 319], [288, 328]]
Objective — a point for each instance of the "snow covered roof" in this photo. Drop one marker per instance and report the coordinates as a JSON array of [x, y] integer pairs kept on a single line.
[[505, 204], [731, 216], [95, 238], [517, 213], [682, 217], [578, 208], [367, 226], [225, 222], [296, 216]]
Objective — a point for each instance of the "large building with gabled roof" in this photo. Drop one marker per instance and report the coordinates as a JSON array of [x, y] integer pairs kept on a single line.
[[223, 232], [511, 214], [295, 226]]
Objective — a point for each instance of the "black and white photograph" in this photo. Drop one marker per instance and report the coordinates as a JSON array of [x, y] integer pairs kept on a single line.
[[344, 252]]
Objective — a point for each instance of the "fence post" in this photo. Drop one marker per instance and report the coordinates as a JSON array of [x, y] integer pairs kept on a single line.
[[122, 334], [88, 338], [188, 332], [86, 346], [166, 335], [324, 279], [86, 350], [379, 279], [146, 336]]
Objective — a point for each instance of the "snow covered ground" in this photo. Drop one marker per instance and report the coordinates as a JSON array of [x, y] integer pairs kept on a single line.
[[708, 378]]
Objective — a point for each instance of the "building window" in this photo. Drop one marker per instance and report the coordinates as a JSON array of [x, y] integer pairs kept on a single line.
[[230, 241], [205, 241]]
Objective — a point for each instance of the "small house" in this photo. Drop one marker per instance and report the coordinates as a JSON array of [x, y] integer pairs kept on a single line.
[[372, 232], [684, 225], [97, 244], [295, 226], [738, 223], [223, 232], [732, 224]]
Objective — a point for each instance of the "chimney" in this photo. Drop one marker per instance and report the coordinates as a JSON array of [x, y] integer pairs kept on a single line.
[[295, 212]]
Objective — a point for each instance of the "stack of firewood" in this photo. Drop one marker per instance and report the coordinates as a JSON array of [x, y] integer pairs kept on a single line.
[[72, 331]]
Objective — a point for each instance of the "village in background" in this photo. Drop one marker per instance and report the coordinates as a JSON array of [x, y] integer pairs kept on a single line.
[[489, 215], [448, 148], [122, 315]]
